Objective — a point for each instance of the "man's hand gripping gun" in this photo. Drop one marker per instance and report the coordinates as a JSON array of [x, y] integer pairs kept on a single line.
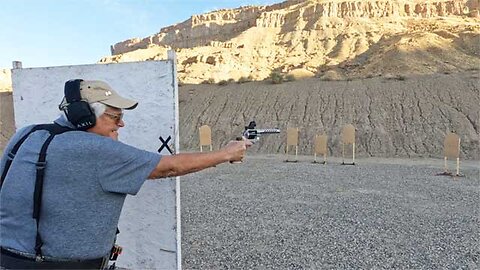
[[253, 134]]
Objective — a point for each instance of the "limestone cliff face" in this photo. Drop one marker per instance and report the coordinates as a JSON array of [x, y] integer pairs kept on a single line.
[[200, 29], [353, 39], [5, 80]]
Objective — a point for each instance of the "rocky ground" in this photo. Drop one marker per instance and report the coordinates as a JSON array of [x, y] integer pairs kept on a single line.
[[268, 214]]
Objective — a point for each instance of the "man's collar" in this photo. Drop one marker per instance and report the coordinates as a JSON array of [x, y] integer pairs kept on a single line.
[[63, 122]]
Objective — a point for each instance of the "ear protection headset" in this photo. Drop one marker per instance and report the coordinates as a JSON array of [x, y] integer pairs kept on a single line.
[[78, 111]]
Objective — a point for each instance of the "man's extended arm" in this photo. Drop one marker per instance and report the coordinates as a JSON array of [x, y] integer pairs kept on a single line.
[[185, 163]]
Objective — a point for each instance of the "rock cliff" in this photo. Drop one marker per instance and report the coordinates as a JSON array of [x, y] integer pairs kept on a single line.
[[5, 80], [356, 39]]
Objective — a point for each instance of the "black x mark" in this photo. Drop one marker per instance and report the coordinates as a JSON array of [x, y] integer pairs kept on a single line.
[[165, 145]]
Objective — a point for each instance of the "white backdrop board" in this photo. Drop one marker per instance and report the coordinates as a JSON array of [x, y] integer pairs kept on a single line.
[[150, 221]]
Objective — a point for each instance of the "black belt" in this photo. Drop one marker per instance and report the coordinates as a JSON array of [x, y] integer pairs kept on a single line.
[[12, 260]]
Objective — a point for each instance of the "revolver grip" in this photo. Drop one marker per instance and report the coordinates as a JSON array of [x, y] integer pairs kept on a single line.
[[237, 139]]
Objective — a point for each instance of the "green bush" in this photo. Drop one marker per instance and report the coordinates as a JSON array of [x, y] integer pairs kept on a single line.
[[276, 77], [290, 78], [223, 82], [244, 79], [209, 81]]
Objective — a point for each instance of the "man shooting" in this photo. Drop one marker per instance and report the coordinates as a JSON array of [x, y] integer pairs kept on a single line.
[[63, 185]]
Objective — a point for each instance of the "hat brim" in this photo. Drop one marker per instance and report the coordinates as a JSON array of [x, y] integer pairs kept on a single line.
[[120, 103]]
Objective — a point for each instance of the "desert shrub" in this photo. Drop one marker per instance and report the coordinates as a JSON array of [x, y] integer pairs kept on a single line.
[[223, 82], [244, 79], [276, 77], [209, 81], [290, 78], [388, 76], [397, 77], [331, 75]]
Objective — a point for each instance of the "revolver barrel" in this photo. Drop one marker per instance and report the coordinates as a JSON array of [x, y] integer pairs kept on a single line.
[[268, 131], [252, 133]]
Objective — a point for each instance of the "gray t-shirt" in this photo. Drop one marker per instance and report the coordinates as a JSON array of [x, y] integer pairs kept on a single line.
[[86, 181]]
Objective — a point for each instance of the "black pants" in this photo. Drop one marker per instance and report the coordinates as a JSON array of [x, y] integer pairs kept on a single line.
[[10, 260]]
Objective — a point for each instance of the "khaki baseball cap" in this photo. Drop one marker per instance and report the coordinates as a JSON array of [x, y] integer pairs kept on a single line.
[[99, 91]]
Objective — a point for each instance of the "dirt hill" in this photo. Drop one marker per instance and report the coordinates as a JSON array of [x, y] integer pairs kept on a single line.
[[354, 39], [393, 117]]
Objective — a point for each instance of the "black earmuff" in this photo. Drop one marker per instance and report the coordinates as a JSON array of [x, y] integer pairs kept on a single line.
[[78, 111]]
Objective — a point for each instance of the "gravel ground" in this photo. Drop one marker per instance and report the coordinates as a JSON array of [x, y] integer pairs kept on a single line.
[[379, 214]]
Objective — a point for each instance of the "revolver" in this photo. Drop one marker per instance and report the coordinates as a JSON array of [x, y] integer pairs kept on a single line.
[[253, 134]]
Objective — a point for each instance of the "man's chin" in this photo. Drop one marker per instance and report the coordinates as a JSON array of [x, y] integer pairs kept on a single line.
[[114, 135]]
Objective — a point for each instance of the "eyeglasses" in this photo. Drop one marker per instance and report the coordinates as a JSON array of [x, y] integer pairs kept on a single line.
[[115, 117]]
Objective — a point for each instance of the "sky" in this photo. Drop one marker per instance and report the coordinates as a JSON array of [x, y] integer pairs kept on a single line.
[[44, 33]]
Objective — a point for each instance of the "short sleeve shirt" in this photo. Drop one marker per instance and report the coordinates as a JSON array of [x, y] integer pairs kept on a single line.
[[87, 178]]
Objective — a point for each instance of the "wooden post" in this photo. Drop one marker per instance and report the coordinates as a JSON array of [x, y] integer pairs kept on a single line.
[[353, 149]]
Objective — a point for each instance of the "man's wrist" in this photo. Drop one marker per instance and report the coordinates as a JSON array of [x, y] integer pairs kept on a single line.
[[225, 155]]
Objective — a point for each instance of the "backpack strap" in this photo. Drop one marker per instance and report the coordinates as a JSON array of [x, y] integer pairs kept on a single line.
[[13, 152], [53, 129]]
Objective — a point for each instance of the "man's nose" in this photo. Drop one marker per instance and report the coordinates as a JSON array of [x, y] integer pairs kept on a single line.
[[121, 123]]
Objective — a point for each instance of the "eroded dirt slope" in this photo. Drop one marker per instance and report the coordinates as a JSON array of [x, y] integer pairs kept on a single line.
[[396, 117]]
